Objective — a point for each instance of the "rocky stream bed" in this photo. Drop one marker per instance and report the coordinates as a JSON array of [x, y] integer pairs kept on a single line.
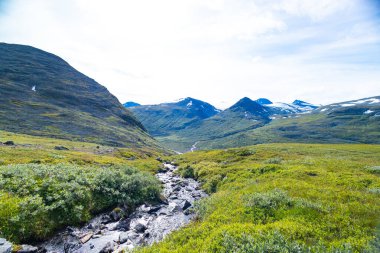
[[110, 232]]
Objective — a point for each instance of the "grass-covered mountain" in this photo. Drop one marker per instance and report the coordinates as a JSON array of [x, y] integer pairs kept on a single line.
[[180, 125], [355, 121], [41, 94], [251, 122], [164, 119]]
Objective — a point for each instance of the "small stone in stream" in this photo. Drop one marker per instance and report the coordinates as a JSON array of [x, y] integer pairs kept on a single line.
[[27, 249], [70, 230], [71, 245], [115, 215], [9, 143], [174, 207], [177, 189], [163, 170], [185, 204], [146, 235], [123, 237], [140, 228], [108, 248], [90, 226], [106, 219], [92, 246], [60, 148], [163, 200], [154, 209], [124, 225], [85, 238]]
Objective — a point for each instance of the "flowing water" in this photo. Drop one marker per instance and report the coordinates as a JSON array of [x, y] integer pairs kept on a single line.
[[147, 224]]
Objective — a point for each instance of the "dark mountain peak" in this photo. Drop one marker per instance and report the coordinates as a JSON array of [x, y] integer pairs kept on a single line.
[[248, 105], [189, 101], [264, 101], [130, 104]]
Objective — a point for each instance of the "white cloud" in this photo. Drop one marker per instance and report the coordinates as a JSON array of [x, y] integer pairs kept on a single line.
[[154, 51]]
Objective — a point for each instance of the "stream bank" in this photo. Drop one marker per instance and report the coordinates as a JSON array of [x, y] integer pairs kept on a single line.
[[147, 224]]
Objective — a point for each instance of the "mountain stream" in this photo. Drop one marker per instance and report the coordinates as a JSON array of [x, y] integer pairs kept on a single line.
[[146, 225]]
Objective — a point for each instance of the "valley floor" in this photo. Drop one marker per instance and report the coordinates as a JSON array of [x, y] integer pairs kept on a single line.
[[263, 198]]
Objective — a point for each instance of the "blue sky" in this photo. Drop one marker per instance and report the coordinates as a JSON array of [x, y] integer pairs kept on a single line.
[[148, 51]]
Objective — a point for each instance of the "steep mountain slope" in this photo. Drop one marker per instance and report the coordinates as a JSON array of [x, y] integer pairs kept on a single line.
[[164, 119], [43, 95]]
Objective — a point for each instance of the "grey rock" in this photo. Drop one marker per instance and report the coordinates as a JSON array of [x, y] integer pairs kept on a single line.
[[115, 216], [108, 248], [140, 228], [9, 143], [154, 209], [123, 237], [27, 249], [106, 219], [5, 246], [124, 225], [185, 205], [173, 207]]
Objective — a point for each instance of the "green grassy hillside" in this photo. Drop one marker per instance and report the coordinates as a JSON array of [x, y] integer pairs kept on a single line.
[[168, 118], [283, 198], [348, 122], [43, 95]]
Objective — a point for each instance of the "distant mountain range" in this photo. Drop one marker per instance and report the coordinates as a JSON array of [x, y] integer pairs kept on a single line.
[[41, 94], [192, 123]]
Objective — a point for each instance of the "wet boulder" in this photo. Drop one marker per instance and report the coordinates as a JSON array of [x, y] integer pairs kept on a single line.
[[71, 244], [154, 209], [5, 246], [140, 228], [185, 205], [108, 248], [116, 214], [124, 225], [173, 207], [106, 219]]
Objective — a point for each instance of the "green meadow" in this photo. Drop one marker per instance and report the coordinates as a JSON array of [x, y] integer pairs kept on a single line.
[[283, 198]]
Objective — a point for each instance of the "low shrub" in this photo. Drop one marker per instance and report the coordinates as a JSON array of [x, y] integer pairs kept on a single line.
[[36, 200]]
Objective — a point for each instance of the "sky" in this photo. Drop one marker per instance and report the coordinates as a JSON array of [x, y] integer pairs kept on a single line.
[[149, 51]]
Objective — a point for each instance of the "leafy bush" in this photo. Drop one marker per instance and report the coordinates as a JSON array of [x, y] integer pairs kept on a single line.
[[273, 242], [35, 199], [187, 172], [374, 169], [274, 160]]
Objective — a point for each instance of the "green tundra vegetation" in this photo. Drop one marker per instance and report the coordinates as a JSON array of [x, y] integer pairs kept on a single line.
[[43, 189], [283, 198], [263, 198]]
